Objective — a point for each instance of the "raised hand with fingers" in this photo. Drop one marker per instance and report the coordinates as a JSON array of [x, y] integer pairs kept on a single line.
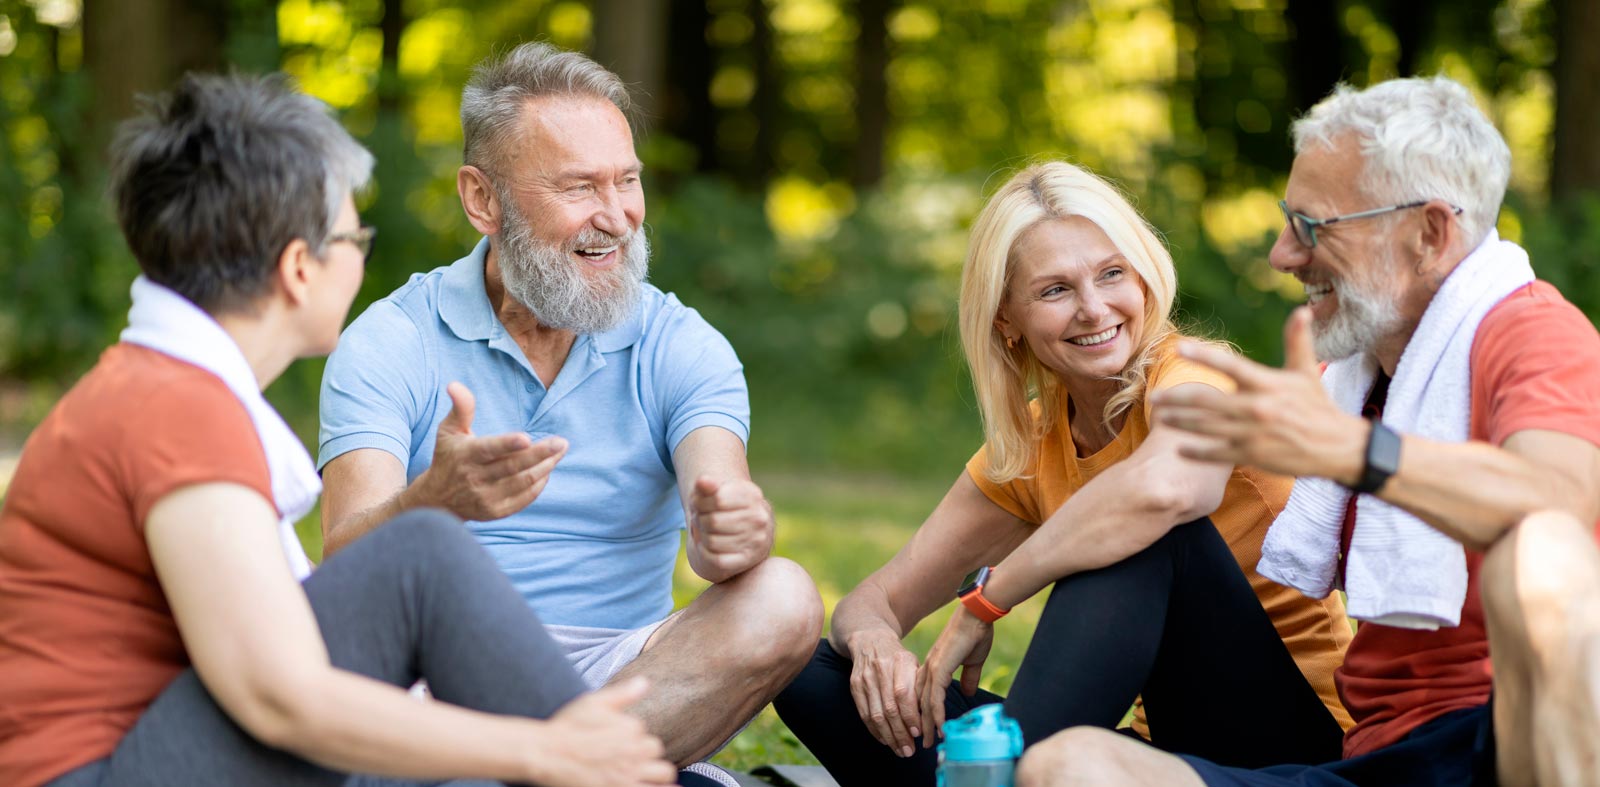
[[1280, 420], [731, 527], [594, 742], [484, 478], [964, 643], [883, 683]]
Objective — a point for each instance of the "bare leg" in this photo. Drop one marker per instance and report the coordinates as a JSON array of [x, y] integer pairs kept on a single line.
[[715, 665], [1093, 756], [1541, 598]]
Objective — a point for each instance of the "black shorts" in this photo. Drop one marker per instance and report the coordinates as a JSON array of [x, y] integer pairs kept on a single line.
[[1456, 749]]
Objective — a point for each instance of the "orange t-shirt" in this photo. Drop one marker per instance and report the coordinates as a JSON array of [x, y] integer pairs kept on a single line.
[[86, 638], [1314, 630], [1535, 365]]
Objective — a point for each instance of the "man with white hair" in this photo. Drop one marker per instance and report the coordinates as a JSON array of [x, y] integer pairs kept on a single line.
[[576, 417], [1448, 463]]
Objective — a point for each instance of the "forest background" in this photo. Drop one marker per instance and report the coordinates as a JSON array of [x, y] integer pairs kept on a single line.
[[812, 167]]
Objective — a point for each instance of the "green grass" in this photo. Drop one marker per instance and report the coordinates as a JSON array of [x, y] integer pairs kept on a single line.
[[841, 529]]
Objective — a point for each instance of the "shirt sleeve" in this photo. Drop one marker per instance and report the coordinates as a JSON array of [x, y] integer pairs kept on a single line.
[[1017, 496], [197, 433], [1536, 365], [372, 386], [1175, 370], [698, 379]]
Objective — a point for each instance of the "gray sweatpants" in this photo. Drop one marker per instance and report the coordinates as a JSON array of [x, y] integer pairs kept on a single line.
[[415, 598]]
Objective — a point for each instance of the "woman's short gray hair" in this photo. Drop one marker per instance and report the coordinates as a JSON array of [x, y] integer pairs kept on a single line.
[[1420, 139], [500, 87], [217, 176]]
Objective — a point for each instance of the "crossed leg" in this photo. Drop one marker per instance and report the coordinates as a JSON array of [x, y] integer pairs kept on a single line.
[[716, 664], [1541, 599]]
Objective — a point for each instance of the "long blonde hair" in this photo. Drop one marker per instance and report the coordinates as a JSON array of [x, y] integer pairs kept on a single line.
[[1003, 377]]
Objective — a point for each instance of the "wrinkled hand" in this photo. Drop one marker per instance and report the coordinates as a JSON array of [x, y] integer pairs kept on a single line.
[[484, 478], [883, 682], [596, 743], [1280, 420], [731, 523], [964, 643]]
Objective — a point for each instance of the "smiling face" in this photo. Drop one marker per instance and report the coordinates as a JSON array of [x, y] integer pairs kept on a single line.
[[1354, 286], [570, 246], [1075, 302]]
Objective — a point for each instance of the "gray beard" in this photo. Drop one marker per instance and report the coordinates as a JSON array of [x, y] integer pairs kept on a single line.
[[1363, 319], [555, 288]]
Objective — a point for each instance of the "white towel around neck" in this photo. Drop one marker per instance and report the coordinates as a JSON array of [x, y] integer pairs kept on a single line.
[[168, 323], [1400, 571]]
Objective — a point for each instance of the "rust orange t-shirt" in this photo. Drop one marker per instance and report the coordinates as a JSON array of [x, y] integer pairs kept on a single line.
[[1535, 365], [86, 638], [1315, 630]]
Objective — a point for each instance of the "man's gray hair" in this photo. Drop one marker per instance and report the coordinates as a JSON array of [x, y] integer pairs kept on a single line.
[[500, 87], [1420, 139], [217, 176]]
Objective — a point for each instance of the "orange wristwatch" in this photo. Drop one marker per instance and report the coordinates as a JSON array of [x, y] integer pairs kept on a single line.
[[971, 595]]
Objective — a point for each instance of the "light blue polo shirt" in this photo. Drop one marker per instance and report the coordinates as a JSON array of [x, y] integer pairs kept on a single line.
[[598, 547]]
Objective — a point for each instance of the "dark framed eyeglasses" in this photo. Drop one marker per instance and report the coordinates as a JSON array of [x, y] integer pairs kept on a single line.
[[360, 238], [1305, 227]]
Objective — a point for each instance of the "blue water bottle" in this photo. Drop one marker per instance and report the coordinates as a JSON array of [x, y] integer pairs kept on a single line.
[[980, 749]]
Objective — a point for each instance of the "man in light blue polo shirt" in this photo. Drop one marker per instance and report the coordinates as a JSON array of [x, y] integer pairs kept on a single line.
[[575, 417]]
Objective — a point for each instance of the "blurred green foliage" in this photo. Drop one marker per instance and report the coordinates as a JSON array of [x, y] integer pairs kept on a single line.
[[833, 276]]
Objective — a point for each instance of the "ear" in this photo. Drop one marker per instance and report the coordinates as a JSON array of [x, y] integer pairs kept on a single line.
[[1003, 324], [297, 268], [1439, 233], [478, 199]]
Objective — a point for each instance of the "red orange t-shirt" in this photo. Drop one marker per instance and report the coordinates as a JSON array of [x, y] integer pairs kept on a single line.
[[86, 638], [1535, 365]]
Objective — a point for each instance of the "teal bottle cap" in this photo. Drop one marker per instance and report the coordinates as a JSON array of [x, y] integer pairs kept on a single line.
[[984, 733]]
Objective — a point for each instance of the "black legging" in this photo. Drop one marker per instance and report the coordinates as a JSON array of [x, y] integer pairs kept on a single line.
[[1176, 623], [415, 598]]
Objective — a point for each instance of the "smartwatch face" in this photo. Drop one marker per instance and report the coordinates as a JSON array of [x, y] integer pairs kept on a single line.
[[975, 580]]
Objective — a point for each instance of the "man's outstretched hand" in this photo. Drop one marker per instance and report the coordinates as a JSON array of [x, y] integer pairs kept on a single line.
[[1279, 420], [484, 478]]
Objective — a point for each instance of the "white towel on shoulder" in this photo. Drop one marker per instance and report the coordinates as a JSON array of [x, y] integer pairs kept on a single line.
[[1400, 571], [170, 324]]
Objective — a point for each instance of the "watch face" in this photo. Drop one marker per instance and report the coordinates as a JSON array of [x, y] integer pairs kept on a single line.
[[975, 580]]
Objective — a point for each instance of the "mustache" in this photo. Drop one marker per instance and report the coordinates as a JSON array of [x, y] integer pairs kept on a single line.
[[590, 237]]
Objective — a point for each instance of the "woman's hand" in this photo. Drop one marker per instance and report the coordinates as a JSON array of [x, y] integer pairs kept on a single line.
[[964, 642], [883, 681], [593, 742]]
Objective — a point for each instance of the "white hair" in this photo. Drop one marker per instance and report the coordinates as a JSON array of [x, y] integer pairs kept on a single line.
[[1420, 139], [500, 88]]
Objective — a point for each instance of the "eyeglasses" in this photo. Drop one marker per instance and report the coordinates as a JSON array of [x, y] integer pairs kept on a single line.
[[360, 238], [1305, 227]]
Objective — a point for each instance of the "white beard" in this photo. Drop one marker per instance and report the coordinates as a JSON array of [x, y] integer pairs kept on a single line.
[[559, 292], [1365, 316]]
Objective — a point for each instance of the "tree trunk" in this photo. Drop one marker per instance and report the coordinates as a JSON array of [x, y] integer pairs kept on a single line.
[[686, 109], [173, 36], [629, 40], [872, 91], [1316, 55], [768, 99], [1575, 162]]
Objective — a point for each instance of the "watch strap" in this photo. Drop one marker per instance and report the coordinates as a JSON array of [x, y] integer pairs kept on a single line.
[[1382, 459], [981, 608]]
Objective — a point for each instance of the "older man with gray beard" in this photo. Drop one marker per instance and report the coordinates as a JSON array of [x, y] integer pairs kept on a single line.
[[574, 416]]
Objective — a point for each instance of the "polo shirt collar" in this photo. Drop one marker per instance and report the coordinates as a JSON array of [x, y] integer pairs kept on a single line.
[[464, 306], [463, 301]]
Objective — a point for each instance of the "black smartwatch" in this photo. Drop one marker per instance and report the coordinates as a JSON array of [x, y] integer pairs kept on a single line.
[[1382, 459]]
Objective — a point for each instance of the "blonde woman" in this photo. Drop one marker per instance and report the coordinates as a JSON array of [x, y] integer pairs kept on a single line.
[[1065, 311]]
